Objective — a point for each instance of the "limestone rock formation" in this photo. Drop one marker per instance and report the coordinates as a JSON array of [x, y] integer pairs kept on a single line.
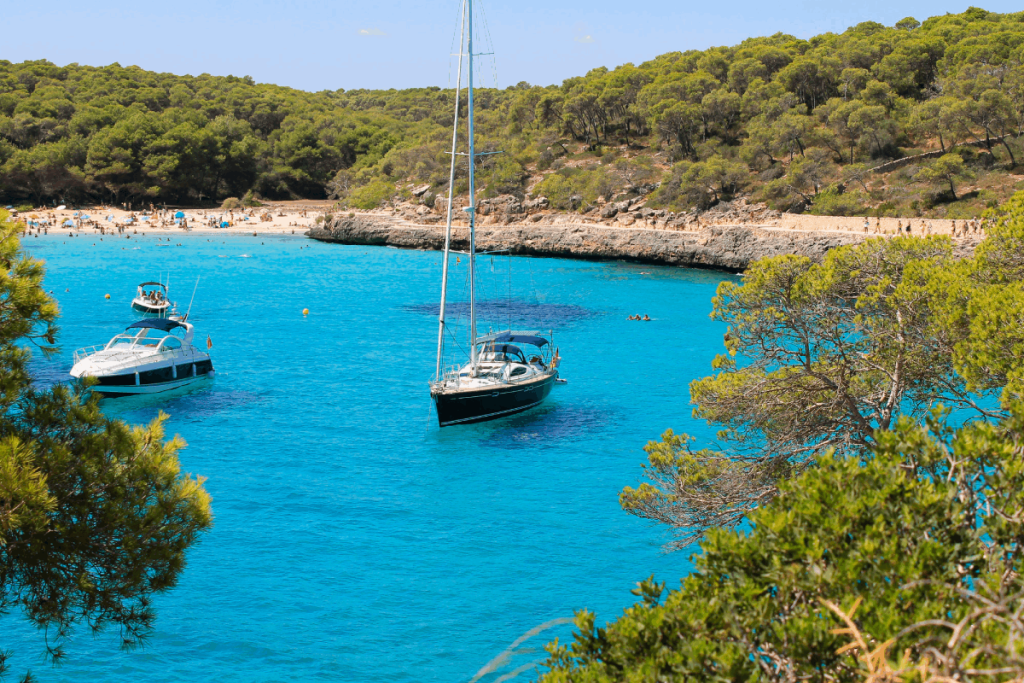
[[724, 247]]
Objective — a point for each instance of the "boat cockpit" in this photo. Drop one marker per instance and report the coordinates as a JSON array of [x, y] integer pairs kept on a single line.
[[499, 360], [153, 293], [156, 335]]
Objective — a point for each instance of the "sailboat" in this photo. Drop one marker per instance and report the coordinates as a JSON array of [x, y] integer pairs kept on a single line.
[[507, 371]]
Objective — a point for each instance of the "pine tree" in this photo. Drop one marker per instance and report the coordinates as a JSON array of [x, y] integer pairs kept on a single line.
[[95, 515]]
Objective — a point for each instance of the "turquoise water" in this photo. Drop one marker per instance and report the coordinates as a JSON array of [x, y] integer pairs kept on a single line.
[[353, 539]]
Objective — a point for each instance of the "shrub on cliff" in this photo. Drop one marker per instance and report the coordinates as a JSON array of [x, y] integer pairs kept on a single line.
[[371, 195]]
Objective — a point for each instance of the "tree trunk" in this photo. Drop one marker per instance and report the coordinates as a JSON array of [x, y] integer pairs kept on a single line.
[[952, 190], [1009, 151]]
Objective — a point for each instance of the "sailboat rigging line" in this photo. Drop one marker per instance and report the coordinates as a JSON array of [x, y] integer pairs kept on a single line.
[[490, 44], [471, 209], [454, 33], [451, 190], [451, 329]]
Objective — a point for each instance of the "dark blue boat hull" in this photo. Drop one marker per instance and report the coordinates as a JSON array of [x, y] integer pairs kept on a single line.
[[489, 404]]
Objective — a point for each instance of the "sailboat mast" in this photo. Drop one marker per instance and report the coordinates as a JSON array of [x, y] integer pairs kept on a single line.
[[472, 203], [451, 192]]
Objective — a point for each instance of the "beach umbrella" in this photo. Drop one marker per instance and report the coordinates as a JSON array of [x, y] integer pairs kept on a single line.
[[129, 220], [9, 207], [69, 222], [180, 214], [84, 217], [61, 208]]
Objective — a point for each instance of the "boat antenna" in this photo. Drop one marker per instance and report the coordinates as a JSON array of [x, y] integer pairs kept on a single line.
[[191, 300]]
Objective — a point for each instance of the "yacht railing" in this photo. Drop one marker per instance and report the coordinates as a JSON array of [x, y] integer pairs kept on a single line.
[[451, 374], [83, 353], [123, 359]]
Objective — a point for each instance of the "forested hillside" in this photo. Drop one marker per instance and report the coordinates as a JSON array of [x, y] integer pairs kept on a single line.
[[801, 124]]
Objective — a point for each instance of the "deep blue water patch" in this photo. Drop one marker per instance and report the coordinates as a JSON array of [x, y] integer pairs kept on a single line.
[[516, 313], [354, 540]]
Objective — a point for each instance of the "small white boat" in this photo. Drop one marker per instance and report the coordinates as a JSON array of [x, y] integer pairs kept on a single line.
[[152, 298], [149, 357]]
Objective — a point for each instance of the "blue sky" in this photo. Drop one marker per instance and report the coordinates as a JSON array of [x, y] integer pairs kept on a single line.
[[317, 45]]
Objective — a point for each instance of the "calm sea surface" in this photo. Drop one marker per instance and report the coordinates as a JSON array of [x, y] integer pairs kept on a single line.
[[353, 539]]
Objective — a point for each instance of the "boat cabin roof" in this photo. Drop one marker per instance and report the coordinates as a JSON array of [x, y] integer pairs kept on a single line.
[[517, 336], [164, 324], [154, 284], [506, 350]]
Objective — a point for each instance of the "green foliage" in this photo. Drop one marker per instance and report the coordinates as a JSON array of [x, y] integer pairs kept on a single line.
[[95, 516], [819, 356], [372, 195], [832, 202], [864, 95], [701, 184], [578, 189], [504, 177], [946, 170], [918, 532], [231, 203]]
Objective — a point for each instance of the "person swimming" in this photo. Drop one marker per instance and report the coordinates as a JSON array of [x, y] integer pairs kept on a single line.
[[646, 317]]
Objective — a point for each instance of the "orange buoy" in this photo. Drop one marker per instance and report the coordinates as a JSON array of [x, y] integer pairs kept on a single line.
[[107, 296], [305, 311]]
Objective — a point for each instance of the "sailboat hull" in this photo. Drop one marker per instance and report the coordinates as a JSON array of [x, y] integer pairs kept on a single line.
[[463, 407]]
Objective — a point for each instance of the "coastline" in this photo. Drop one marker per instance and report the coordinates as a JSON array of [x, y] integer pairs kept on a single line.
[[721, 247], [728, 239]]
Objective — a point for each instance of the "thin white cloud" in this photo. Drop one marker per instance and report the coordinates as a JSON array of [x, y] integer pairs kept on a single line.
[[371, 32], [584, 39]]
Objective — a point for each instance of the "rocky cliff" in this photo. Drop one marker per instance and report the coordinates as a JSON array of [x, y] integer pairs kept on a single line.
[[722, 247]]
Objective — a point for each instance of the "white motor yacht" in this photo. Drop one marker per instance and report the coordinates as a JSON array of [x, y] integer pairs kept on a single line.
[[149, 357]]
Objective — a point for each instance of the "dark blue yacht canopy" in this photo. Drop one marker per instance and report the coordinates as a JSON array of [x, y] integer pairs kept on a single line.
[[516, 337], [156, 324]]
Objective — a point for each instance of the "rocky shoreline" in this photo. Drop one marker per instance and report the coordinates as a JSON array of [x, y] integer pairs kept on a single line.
[[721, 247]]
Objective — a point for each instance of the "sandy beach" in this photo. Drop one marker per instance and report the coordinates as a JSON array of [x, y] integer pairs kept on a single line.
[[273, 218], [297, 217]]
